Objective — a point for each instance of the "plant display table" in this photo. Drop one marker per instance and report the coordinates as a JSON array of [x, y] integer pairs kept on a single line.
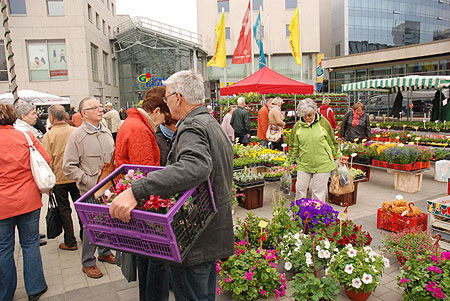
[[253, 196], [408, 182]]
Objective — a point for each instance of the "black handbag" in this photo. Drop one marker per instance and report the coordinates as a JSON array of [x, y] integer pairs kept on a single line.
[[54, 224]]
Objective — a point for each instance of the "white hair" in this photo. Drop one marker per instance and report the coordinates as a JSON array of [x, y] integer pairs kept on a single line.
[[306, 106], [23, 108], [326, 101], [189, 84], [240, 100]]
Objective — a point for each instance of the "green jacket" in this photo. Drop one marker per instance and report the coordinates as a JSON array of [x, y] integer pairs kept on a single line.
[[313, 146]]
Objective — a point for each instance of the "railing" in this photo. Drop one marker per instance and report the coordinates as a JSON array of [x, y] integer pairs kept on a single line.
[[159, 27]]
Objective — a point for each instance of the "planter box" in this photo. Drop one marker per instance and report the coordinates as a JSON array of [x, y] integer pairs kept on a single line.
[[379, 163], [397, 223], [253, 197], [349, 198], [272, 179], [247, 184], [366, 161], [408, 182]]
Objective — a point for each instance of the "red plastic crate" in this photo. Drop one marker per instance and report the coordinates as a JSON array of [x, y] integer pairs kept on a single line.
[[406, 167], [397, 223], [378, 163]]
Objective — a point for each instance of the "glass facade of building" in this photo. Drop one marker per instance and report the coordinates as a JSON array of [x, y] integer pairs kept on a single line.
[[380, 24]]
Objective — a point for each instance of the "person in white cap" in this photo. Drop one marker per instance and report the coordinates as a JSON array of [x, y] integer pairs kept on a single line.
[[112, 119]]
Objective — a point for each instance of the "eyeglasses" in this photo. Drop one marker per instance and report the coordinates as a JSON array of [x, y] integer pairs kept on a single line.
[[94, 108], [165, 97]]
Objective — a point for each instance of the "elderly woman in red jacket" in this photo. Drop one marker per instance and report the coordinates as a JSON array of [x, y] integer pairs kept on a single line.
[[20, 203], [136, 144]]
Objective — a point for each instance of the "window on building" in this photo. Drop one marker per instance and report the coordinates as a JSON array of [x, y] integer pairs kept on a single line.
[[17, 7], [104, 27], [288, 32], [55, 7], [227, 33], [113, 10], [337, 50], [105, 68], [94, 51], [47, 60], [97, 20], [257, 4], [225, 4], [90, 13], [290, 4], [114, 70], [3, 66], [109, 31], [107, 4]]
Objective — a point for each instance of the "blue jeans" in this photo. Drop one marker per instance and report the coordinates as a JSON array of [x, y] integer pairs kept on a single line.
[[265, 143], [33, 273], [153, 277], [194, 283]]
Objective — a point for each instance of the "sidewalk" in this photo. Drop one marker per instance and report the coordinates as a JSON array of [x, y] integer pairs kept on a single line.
[[66, 281]]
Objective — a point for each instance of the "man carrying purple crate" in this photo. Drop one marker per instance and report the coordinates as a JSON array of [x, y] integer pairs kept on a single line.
[[88, 147], [200, 150]]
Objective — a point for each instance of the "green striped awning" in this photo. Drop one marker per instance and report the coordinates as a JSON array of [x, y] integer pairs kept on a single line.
[[397, 84]]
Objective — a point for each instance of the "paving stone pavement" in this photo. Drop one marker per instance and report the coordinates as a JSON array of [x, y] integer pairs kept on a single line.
[[66, 281]]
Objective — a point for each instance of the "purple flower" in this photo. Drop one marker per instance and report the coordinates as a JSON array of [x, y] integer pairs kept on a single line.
[[445, 255], [249, 275], [435, 259], [434, 269], [404, 280], [320, 213]]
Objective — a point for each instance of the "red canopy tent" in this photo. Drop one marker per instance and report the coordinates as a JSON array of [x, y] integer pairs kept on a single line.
[[267, 81]]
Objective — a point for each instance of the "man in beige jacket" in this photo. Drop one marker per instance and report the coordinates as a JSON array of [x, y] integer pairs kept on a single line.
[[112, 119], [54, 142], [88, 147]]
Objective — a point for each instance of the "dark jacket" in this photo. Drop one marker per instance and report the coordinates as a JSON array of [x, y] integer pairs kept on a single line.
[[200, 149], [164, 146], [349, 132], [240, 121]]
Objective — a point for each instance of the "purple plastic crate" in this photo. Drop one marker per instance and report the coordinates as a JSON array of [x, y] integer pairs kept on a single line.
[[167, 236]]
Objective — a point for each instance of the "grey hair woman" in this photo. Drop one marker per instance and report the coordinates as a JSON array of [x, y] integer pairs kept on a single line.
[[313, 146], [26, 119]]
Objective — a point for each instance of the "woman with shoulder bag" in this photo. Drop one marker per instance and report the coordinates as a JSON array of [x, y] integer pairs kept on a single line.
[[20, 200], [276, 121], [313, 146]]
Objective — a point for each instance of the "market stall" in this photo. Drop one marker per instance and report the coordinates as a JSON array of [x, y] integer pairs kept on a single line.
[[35, 98], [406, 83]]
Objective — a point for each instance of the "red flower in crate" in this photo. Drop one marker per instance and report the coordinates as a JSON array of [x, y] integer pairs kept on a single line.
[[156, 203]]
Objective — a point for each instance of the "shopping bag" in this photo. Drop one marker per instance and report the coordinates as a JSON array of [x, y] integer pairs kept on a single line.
[[337, 189], [54, 224], [274, 133], [286, 183]]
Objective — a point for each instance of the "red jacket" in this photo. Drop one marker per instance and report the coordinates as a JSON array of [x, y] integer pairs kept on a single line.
[[136, 141], [328, 113], [263, 122], [19, 193]]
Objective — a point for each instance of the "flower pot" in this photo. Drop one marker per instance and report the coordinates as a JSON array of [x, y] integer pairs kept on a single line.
[[360, 296]]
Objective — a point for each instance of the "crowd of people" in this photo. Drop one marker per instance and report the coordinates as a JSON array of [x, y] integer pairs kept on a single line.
[[172, 128]]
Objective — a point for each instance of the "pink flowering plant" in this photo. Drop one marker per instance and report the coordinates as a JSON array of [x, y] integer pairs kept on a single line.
[[250, 274], [426, 277], [408, 244], [357, 268]]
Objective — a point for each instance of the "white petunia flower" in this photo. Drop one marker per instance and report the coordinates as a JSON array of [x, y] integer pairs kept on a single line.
[[336, 250], [297, 236], [327, 244], [326, 271], [326, 254], [318, 248], [108, 193], [356, 283], [288, 266], [308, 255], [352, 253], [349, 269], [386, 262], [298, 243], [374, 269], [366, 259], [308, 261], [321, 254], [368, 249], [349, 246], [367, 278]]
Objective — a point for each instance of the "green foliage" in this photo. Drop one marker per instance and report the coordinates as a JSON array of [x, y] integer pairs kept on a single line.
[[408, 244], [314, 289]]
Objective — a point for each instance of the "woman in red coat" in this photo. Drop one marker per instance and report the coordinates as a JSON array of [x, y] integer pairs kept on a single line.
[[20, 203], [136, 144]]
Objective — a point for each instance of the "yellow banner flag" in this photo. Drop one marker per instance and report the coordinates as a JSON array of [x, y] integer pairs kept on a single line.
[[219, 59], [294, 37]]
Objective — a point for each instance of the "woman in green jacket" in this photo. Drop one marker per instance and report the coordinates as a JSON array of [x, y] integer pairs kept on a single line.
[[314, 147]]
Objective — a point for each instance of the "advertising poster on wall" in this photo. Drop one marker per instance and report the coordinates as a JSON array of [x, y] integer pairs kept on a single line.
[[37, 57], [58, 61]]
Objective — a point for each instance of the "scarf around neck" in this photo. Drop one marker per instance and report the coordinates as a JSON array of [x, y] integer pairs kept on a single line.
[[147, 116], [356, 118], [166, 132]]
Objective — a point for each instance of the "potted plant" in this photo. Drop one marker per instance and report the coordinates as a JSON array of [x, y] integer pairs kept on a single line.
[[250, 274], [234, 196], [317, 213], [344, 233], [313, 288], [408, 244], [358, 269], [246, 178], [273, 174], [426, 277]]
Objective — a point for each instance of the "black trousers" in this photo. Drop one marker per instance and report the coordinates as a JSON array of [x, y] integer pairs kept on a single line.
[[61, 192]]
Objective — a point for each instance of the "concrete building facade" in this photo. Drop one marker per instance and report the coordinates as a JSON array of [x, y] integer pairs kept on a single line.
[[276, 17], [63, 48]]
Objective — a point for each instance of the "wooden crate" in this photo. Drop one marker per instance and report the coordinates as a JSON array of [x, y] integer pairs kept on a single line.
[[364, 168], [254, 196], [408, 182]]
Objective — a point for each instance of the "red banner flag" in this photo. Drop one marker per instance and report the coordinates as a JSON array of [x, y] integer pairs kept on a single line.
[[243, 52]]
